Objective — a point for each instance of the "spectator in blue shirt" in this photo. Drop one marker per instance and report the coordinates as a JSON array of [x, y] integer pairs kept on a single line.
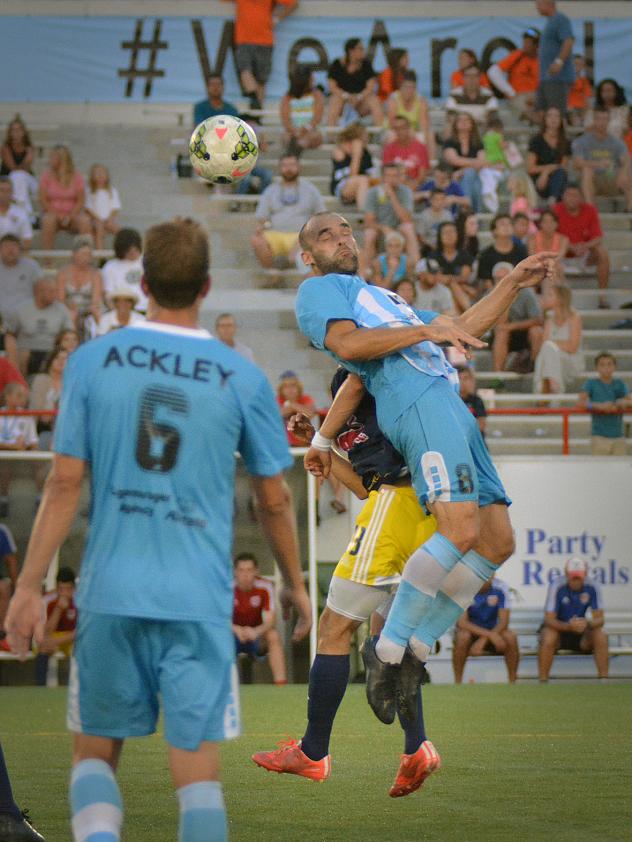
[[555, 54], [215, 103], [483, 630], [442, 179], [565, 623], [607, 396]]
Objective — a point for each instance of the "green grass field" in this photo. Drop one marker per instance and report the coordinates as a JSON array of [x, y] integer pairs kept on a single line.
[[523, 763]]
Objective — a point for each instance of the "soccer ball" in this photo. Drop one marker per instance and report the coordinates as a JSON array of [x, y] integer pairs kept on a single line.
[[223, 149]]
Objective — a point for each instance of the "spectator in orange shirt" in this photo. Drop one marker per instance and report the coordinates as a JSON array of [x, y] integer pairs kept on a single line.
[[580, 94], [466, 59], [517, 75], [392, 77], [254, 36]]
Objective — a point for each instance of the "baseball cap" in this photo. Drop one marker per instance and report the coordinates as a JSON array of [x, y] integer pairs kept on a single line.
[[576, 566], [288, 375], [532, 32]]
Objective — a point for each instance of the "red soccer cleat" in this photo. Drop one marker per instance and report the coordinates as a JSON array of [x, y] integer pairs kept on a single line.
[[414, 769], [290, 759]]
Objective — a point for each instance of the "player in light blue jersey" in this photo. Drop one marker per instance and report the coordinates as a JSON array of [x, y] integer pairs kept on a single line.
[[158, 412], [395, 350]]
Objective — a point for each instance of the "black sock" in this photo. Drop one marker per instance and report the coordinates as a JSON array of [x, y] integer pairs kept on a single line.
[[7, 804], [328, 679], [414, 732]]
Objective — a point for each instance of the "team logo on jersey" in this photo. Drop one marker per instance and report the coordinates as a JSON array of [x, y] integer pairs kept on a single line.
[[464, 478], [584, 598], [565, 600], [255, 601], [352, 436], [492, 600]]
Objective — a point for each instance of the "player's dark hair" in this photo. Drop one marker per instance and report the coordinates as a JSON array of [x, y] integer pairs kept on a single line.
[[351, 44], [619, 98], [126, 239], [605, 355], [65, 575], [246, 557], [300, 81], [497, 219], [176, 263]]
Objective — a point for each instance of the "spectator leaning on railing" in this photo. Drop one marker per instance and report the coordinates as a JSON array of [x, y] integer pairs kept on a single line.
[[607, 397]]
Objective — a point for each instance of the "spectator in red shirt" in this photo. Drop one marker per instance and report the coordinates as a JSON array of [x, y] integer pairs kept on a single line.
[[292, 399], [254, 617], [579, 221], [61, 622], [409, 152]]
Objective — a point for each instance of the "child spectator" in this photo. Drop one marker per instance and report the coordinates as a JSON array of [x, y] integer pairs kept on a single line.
[[61, 622], [62, 197], [431, 218], [547, 237], [13, 219], [524, 199], [406, 290], [392, 266], [560, 359], [352, 166], [392, 77], [102, 204], [495, 147], [17, 154], [301, 110], [580, 93], [67, 340], [442, 179], [17, 432], [467, 390], [521, 227], [606, 396], [126, 267]]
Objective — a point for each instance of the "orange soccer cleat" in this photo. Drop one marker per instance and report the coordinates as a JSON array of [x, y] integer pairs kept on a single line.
[[289, 759], [414, 769]]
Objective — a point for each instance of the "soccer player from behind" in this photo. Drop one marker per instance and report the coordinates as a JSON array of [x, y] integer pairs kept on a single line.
[[254, 617], [157, 411], [395, 350]]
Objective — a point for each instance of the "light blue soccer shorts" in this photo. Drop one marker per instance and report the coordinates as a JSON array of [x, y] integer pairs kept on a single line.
[[445, 452], [121, 666]]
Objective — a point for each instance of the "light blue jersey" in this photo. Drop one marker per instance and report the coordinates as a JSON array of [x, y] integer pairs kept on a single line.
[[158, 412], [396, 381]]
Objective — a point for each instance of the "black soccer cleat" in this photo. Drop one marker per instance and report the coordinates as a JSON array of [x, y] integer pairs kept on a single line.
[[13, 829], [412, 676], [382, 681]]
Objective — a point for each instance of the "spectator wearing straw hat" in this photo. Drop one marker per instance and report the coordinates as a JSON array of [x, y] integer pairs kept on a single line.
[[124, 299]]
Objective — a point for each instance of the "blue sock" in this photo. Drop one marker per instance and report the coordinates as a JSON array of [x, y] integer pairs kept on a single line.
[[7, 803], [415, 731], [328, 679], [443, 615], [95, 800], [480, 565], [202, 813]]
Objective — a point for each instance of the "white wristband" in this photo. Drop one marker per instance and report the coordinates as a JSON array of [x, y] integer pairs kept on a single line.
[[320, 442]]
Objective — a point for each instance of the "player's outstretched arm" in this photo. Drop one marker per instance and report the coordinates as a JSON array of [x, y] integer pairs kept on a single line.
[[25, 618], [486, 312], [276, 515]]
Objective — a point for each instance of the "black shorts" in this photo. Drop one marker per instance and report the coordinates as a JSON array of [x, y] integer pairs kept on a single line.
[[570, 640], [256, 58], [518, 340]]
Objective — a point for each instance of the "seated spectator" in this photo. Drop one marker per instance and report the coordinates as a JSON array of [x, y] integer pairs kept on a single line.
[[254, 617], [449, 266], [524, 200], [214, 104], [9, 373], [389, 207], [603, 161], [352, 166], [390, 267], [17, 432], [301, 110], [406, 290], [547, 237], [79, 284], [520, 330], [565, 625], [17, 275], [353, 83], [61, 622], [560, 359], [62, 197], [259, 177], [13, 220], [123, 313], [16, 156], [471, 398], [102, 204], [407, 102], [67, 340], [467, 225], [517, 75], [502, 249], [548, 156], [580, 95], [484, 629], [283, 208], [32, 328], [627, 138], [8, 571], [521, 225], [392, 76], [579, 221], [466, 58], [406, 150], [464, 152], [433, 294], [494, 146], [46, 392], [606, 396], [611, 96], [470, 98], [226, 331], [432, 217], [441, 179], [126, 267]]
